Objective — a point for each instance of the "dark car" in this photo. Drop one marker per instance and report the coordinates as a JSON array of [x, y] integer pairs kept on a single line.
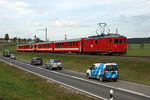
[[36, 61]]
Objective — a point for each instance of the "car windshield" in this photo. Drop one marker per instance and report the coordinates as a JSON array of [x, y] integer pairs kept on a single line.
[[57, 61], [111, 68], [38, 58], [12, 54]]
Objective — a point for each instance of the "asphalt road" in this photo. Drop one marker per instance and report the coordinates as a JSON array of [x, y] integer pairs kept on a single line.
[[79, 82]]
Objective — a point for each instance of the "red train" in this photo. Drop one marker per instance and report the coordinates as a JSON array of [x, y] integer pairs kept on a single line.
[[100, 44]]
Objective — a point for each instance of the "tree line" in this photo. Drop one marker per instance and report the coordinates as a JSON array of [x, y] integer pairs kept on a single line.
[[138, 40], [15, 39]]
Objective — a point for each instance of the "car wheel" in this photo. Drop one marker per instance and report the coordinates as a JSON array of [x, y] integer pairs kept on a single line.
[[46, 66], [60, 68], [115, 79], [88, 76], [101, 78], [50, 68]]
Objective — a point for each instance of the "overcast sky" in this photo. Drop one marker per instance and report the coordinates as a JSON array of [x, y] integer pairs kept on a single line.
[[74, 18]]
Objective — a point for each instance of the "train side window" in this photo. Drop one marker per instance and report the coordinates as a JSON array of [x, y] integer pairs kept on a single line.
[[91, 42], [96, 42], [73, 43], [110, 41], [70, 43], [76, 43], [62, 44], [65, 44], [124, 40], [115, 40], [120, 41], [58, 44], [84, 42]]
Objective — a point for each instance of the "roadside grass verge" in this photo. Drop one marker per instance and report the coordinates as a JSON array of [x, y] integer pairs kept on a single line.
[[16, 84]]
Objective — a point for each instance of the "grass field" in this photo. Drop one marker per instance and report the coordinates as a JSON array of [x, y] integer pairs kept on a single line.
[[136, 50], [130, 69], [16, 84]]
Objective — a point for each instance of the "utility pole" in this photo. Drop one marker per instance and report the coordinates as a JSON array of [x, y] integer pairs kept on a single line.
[[45, 33], [116, 31], [65, 37]]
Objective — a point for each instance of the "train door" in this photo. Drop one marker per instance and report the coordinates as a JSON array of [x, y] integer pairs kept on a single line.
[[95, 45], [106, 45], [35, 46], [120, 45], [91, 45]]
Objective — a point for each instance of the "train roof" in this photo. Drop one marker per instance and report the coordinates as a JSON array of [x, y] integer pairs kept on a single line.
[[105, 36], [77, 39], [25, 44], [44, 42]]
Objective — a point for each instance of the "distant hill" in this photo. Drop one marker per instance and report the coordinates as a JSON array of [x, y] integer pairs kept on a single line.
[[138, 40]]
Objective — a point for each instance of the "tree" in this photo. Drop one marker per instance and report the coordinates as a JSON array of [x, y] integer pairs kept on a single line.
[[6, 37], [15, 39], [24, 40], [37, 40], [29, 39], [19, 39]]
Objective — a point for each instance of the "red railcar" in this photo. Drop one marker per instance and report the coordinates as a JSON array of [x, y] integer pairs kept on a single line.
[[106, 44], [102, 44]]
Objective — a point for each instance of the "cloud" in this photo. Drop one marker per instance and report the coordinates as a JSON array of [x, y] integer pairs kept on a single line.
[[3, 18], [142, 18], [11, 5], [53, 19], [34, 24], [64, 24], [66, 4], [40, 11]]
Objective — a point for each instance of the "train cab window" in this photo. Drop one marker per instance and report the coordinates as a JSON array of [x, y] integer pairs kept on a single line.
[[84, 42], [115, 40], [70, 43], [110, 41], [96, 42], [120, 41], [91, 42], [73, 43], [124, 40]]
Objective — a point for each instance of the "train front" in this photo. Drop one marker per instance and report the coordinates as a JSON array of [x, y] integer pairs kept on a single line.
[[119, 45]]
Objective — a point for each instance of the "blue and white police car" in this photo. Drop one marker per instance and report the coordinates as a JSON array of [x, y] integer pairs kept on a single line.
[[103, 71]]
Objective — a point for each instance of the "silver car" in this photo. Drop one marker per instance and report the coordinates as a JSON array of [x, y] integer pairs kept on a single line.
[[53, 63], [13, 56]]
